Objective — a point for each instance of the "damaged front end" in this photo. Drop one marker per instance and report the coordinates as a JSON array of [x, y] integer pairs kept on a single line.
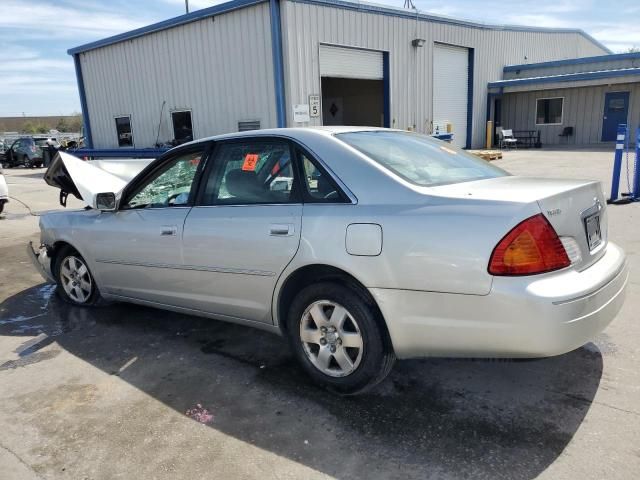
[[41, 260], [86, 179]]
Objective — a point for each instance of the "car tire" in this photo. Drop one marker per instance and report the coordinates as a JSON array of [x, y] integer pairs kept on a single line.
[[338, 338], [26, 162], [2, 202], [75, 282]]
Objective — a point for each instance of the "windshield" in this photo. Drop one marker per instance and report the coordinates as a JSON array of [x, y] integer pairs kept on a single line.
[[420, 159]]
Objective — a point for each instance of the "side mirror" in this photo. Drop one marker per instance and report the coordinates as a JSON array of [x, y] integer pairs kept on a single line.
[[106, 202]]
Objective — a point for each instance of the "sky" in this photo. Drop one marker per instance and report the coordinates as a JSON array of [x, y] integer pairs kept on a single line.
[[37, 76]]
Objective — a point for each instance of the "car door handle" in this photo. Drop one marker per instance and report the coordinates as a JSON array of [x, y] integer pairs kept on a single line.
[[281, 229], [169, 231]]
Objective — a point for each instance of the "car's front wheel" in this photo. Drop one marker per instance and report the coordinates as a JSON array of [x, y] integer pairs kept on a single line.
[[337, 337], [76, 284]]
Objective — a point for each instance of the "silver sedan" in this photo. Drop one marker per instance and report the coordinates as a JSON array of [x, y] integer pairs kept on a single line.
[[359, 245]]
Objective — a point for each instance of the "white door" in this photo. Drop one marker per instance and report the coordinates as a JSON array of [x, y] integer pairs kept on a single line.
[[451, 90]]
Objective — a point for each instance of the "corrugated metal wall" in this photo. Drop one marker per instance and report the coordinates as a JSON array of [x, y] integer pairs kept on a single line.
[[218, 67], [306, 26], [583, 110]]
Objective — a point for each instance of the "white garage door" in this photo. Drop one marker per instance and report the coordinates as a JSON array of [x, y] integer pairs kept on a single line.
[[450, 90], [341, 62]]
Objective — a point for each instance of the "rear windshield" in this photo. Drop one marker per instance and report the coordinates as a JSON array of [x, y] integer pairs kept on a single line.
[[420, 159]]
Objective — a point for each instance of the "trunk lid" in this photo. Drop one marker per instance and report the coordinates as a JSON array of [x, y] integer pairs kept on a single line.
[[579, 212], [573, 207]]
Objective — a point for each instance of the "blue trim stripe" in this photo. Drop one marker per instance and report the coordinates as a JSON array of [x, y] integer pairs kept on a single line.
[[278, 69], [386, 91], [170, 23], [569, 77], [88, 139], [119, 152], [573, 61], [470, 99]]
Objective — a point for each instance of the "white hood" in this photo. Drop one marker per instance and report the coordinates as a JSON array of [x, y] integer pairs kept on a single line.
[[85, 179]]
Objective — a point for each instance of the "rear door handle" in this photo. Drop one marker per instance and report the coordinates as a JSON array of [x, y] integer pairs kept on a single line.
[[169, 231], [281, 229]]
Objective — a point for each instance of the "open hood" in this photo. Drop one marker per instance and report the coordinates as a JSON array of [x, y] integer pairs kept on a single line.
[[85, 179]]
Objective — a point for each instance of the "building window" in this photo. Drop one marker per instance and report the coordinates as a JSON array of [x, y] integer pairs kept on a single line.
[[549, 111], [182, 127], [123, 129]]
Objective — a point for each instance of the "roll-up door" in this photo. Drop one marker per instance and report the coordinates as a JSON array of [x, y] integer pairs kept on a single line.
[[341, 62], [450, 90]]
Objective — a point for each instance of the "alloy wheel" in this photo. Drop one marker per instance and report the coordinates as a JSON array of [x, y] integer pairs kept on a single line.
[[331, 338], [75, 279]]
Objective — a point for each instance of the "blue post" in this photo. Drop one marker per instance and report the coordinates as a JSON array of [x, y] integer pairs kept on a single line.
[[617, 162], [636, 168]]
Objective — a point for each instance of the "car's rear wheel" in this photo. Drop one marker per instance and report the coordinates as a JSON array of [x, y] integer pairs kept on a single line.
[[26, 162], [76, 284], [338, 339]]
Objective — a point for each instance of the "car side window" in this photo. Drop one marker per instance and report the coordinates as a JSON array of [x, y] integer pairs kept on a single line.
[[251, 172], [319, 187], [168, 187]]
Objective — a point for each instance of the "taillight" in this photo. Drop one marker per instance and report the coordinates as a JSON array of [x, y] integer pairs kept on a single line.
[[33, 148], [531, 247]]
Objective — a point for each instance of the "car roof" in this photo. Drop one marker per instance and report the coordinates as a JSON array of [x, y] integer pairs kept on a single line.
[[293, 132]]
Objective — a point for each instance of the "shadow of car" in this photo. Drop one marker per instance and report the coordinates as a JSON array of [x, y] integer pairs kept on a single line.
[[432, 417]]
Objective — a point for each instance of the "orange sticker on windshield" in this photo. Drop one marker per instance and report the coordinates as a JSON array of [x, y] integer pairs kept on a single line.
[[250, 160]]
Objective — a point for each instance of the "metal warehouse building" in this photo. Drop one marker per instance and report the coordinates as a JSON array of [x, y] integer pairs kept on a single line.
[[573, 101], [272, 63]]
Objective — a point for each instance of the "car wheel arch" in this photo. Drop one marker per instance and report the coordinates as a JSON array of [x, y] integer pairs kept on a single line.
[[57, 246], [306, 275]]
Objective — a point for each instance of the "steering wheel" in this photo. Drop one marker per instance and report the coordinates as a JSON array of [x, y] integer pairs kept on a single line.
[[171, 199], [331, 195]]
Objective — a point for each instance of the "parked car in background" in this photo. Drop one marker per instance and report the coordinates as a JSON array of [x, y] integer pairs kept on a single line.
[[27, 151], [4, 191], [359, 245]]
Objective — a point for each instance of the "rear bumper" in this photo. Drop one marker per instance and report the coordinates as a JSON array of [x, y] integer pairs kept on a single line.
[[41, 261], [535, 316]]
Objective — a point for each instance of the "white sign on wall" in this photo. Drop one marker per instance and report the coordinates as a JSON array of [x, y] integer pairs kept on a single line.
[[301, 113], [314, 105]]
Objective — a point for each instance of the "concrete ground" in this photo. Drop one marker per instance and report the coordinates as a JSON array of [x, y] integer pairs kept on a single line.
[[101, 394]]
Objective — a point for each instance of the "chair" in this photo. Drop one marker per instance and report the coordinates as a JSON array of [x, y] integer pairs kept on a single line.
[[507, 139], [566, 132]]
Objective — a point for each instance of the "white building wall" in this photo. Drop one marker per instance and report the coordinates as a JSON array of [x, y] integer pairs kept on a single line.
[[305, 26], [219, 67]]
